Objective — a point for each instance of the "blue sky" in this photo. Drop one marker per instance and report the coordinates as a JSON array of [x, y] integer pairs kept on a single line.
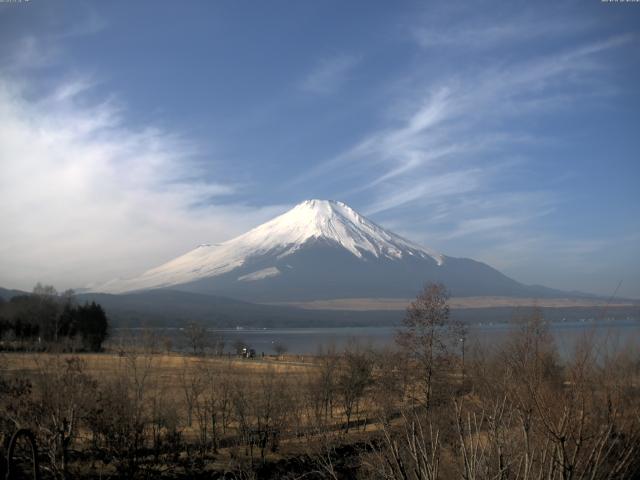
[[501, 131]]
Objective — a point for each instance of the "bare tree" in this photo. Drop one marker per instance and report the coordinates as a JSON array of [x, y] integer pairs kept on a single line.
[[426, 333], [269, 409], [63, 395], [280, 349], [122, 414], [390, 385], [216, 399], [197, 337], [192, 387], [353, 379], [322, 386], [411, 452], [532, 418], [218, 343]]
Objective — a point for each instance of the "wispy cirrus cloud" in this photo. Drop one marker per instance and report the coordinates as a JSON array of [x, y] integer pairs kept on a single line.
[[478, 32], [456, 127], [329, 75], [433, 189], [21, 51]]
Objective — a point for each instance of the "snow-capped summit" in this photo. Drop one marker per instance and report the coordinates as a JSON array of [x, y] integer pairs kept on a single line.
[[329, 221], [332, 221], [319, 249]]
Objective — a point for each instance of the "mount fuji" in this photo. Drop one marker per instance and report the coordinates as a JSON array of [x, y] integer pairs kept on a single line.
[[319, 250]]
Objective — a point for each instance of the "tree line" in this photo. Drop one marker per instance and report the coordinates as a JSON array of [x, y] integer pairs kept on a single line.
[[46, 317]]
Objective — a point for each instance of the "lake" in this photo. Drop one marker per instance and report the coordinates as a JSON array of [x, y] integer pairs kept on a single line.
[[612, 335]]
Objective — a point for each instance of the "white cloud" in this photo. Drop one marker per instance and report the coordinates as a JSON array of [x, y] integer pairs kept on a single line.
[[447, 26], [84, 197], [430, 189], [329, 74]]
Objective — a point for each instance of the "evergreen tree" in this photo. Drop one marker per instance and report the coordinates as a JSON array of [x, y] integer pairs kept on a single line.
[[50, 316], [92, 324]]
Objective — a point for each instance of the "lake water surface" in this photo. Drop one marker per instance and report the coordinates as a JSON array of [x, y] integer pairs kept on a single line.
[[608, 335], [611, 335]]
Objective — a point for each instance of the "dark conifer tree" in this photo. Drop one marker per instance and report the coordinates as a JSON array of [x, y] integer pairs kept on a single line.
[[92, 324]]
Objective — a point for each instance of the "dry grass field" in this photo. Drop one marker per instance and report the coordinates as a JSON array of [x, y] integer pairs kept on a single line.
[[165, 366], [401, 304]]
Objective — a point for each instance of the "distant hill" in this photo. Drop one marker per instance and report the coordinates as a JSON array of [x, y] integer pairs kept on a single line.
[[165, 308], [170, 308], [7, 294]]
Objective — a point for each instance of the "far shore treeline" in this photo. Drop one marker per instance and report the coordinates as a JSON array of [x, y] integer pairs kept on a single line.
[[46, 317]]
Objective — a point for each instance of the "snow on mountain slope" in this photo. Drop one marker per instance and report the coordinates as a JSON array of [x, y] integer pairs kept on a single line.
[[260, 274], [330, 221]]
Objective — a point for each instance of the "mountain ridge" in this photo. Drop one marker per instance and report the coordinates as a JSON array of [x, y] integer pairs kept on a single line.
[[310, 220], [318, 250]]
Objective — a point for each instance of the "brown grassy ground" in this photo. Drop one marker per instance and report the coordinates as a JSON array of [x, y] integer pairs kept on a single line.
[[164, 372], [400, 304], [109, 362]]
